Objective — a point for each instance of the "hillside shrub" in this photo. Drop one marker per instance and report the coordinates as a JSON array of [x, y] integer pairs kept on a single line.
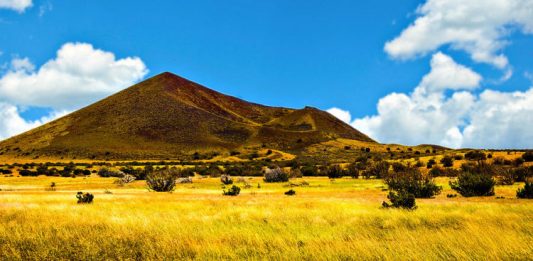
[[27, 172], [353, 171], [528, 156], [309, 171], [295, 173], [234, 171], [377, 170], [505, 176], [521, 174], [6, 171], [517, 162], [398, 167], [213, 171], [437, 171], [276, 175], [400, 199], [335, 172], [84, 198], [475, 155], [106, 173], [471, 184], [447, 161], [162, 180], [233, 191], [526, 191], [430, 163], [412, 181]]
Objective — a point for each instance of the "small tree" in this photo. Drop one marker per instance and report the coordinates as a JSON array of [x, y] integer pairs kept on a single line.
[[162, 181]]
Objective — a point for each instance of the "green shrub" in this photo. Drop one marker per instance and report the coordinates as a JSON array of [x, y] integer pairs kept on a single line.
[[125, 180], [447, 161], [398, 167], [335, 172], [26, 172], [295, 173], [377, 170], [233, 191], [470, 184], [84, 198], [400, 199], [290, 193], [412, 181], [475, 155], [430, 163], [505, 176], [309, 171], [276, 175], [213, 171], [106, 173], [526, 191], [162, 180], [226, 179], [521, 174]]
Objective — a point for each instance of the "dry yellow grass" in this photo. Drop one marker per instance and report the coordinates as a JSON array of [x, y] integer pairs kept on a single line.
[[326, 220]]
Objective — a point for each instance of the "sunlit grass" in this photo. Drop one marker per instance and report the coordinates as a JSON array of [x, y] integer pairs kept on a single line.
[[326, 220]]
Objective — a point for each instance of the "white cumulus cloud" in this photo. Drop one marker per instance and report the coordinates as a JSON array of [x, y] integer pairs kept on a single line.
[[462, 119], [11, 123], [478, 27], [341, 114], [17, 5], [78, 76]]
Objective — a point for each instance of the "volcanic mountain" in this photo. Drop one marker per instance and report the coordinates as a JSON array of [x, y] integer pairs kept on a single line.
[[168, 117]]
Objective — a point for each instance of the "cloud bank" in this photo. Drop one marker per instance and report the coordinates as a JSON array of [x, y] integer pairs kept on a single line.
[[491, 119], [444, 109], [79, 75], [17, 5], [478, 27]]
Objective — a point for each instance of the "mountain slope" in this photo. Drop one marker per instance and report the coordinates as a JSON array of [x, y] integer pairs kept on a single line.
[[168, 117]]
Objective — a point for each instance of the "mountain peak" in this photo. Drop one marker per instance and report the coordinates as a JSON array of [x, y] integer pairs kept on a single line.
[[168, 116]]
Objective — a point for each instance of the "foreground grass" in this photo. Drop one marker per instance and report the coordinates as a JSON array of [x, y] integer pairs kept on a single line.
[[326, 220]]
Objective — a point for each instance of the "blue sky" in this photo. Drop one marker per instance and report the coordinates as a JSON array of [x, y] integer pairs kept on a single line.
[[284, 53]]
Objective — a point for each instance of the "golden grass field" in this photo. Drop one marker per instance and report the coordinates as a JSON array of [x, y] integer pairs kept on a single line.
[[328, 220]]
